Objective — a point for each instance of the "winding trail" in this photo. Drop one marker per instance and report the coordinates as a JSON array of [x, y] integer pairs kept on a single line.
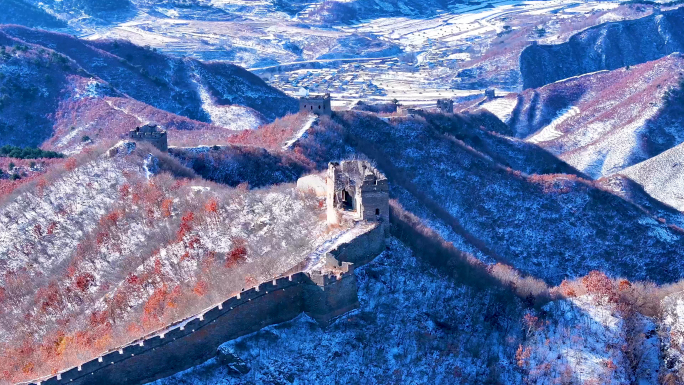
[[315, 259], [301, 132]]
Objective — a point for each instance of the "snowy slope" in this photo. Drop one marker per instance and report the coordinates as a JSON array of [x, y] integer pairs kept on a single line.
[[104, 239], [661, 176], [417, 325], [583, 340], [524, 220], [604, 122], [414, 325], [162, 81]]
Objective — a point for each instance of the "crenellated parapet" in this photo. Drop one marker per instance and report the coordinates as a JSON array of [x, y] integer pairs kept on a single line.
[[319, 104], [324, 295], [194, 337], [151, 134]]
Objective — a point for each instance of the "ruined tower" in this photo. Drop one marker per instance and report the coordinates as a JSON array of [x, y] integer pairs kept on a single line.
[[319, 105], [356, 188], [152, 134]]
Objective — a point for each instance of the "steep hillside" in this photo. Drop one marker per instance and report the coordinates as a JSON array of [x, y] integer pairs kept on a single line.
[[661, 176], [605, 47], [235, 165], [552, 226], [118, 246], [49, 99], [395, 336], [672, 331], [95, 12], [452, 332], [632, 191], [182, 86], [32, 82], [484, 132], [14, 173], [603, 122], [25, 13]]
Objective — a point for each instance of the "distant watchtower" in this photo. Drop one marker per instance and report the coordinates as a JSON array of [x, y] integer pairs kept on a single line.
[[356, 187], [317, 104], [446, 106], [152, 134]]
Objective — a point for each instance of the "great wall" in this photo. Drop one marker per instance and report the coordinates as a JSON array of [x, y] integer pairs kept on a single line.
[[324, 294]]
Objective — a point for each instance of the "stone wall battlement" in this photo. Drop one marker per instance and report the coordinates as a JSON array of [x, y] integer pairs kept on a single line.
[[151, 134], [323, 295]]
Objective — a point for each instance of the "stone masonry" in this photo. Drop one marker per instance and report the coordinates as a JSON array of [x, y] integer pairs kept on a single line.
[[322, 294], [152, 134], [357, 188], [446, 106], [319, 105]]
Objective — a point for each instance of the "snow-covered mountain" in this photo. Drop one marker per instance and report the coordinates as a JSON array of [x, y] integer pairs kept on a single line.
[[73, 89], [605, 47], [535, 236], [119, 243], [603, 122]]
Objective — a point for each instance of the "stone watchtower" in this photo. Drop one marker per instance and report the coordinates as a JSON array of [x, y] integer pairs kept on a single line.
[[357, 188], [152, 134], [319, 105], [446, 106]]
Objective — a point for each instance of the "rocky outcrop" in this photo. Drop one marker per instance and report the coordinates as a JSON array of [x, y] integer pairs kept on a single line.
[[605, 47], [235, 366]]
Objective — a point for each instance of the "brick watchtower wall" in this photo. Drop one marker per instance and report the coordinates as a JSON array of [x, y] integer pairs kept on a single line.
[[190, 344], [446, 106], [151, 134], [330, 296], [319, 105], [374, 200], [331, 190], [361, 188]]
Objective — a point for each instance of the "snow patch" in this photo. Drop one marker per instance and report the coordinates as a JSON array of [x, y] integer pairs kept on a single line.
[[233, 117], [307, 125], [550, 131]]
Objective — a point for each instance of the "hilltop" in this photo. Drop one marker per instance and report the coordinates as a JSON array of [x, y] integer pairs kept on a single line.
[[603, 122], [119, 244], [524, 217], [67, 84], [604, 47], [27, 14], [660, 176]]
